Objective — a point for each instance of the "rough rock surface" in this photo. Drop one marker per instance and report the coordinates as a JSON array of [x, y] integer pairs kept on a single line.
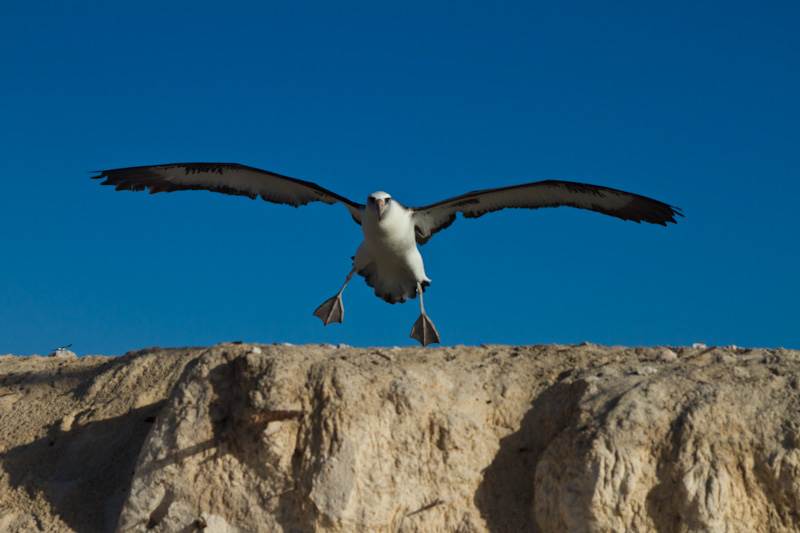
[[242, 437]]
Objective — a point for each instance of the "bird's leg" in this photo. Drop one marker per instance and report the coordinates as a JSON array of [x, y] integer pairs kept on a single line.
[[332, 310], [424, 331]]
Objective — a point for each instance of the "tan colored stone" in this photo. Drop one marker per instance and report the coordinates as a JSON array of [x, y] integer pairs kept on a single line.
[[309, 438]]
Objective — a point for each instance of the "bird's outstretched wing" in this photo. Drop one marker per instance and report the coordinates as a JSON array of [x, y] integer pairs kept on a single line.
[[627, 206], [227, 178]]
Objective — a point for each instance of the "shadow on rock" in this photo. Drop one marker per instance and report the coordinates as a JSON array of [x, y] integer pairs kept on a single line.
[[211, 432], [505, 498], [85, 472]]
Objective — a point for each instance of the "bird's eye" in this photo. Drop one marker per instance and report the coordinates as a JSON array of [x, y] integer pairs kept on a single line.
[[388, 200]]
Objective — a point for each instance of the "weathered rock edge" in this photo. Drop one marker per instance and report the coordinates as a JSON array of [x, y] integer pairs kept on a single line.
[[242, 437]]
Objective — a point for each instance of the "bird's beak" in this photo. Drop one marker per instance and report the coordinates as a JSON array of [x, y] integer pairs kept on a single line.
[[380, 205]]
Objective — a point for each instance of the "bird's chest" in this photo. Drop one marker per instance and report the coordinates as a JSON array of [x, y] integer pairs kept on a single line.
[[390, 237]]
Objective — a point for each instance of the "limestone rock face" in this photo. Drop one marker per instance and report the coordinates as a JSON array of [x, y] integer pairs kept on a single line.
[[243, 437], [70, 433]]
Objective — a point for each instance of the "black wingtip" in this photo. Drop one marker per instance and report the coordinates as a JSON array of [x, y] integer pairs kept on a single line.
[[676, 212], [100, 174]]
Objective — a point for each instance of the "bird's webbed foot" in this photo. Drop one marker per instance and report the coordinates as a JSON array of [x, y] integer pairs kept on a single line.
[[424, 331], [331, 311]]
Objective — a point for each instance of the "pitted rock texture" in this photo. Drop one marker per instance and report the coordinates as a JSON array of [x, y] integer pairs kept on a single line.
[[244, 437]]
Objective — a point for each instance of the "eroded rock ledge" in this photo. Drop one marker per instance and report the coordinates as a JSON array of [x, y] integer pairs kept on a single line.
[[243, 437]]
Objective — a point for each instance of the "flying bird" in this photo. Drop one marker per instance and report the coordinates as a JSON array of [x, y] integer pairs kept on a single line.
[[62, 348], [388, 259]]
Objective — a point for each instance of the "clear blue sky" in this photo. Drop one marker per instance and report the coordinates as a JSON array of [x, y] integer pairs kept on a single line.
[[692, 103]]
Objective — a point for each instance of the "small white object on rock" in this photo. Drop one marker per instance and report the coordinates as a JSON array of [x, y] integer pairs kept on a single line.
[[699, 346], [63, 352]]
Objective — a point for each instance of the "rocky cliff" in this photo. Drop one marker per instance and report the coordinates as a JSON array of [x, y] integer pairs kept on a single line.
[[242, 437]]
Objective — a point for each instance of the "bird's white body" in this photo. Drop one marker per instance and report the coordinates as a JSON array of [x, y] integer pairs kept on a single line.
[[389, 258]]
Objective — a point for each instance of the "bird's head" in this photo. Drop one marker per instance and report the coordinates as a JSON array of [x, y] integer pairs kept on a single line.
[[379, 201]]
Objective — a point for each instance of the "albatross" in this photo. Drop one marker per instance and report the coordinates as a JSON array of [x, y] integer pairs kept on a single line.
[[388, 259]]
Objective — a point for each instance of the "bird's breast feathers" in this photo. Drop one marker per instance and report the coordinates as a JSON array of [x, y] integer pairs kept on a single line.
[[393, 233]]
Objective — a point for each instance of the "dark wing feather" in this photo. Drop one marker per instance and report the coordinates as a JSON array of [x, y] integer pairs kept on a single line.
[[627, 206], [227, 178]]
